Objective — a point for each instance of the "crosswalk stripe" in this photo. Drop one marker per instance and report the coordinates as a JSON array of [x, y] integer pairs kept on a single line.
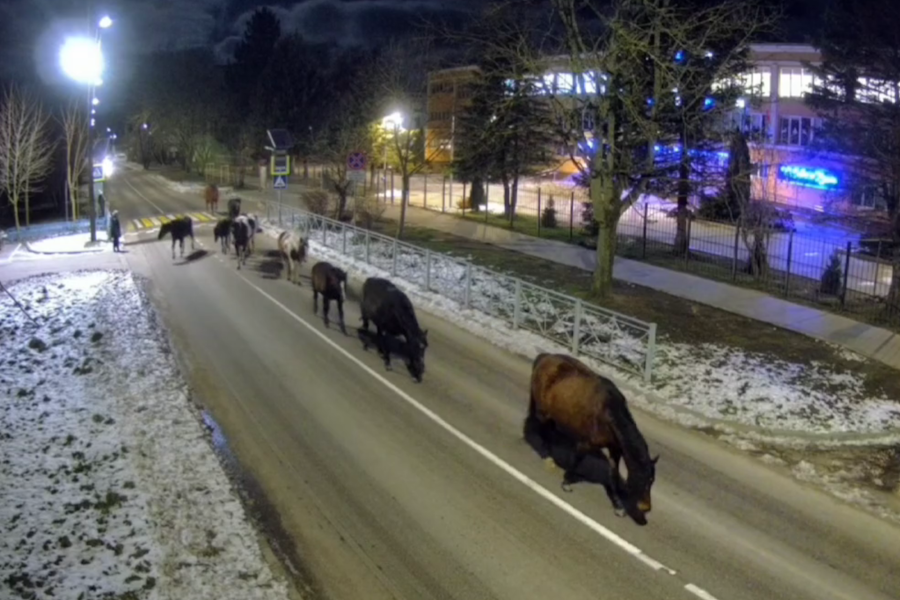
[[136, 224], [156, 221], [146, 222], [200, 217], [164, 219]]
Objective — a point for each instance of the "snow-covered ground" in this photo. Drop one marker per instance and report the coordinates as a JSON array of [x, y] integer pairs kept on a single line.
[[693, 384], [109, 485], [69, 244]]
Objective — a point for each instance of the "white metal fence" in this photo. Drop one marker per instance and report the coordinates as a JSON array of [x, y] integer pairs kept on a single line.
[[584, 328]]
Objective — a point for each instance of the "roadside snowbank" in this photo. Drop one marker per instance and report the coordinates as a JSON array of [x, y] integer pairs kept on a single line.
[[110, 485], [77, 243], [700, 384]]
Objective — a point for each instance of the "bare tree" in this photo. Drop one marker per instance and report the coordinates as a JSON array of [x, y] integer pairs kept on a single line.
[[75, 127], [403, 71], [643, 73], [26, 151]]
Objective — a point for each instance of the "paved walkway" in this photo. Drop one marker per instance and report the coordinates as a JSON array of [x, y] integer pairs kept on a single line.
[[868, 340]]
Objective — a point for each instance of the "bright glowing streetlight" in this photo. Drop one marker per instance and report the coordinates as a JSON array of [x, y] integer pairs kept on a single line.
[[394, 120], [105, 22], [95, 101], [82, 60]]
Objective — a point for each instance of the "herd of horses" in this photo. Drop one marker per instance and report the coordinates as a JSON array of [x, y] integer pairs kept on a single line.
[[571, 407]]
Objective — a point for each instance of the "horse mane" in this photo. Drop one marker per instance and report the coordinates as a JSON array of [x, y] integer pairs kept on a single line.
[[634, 447]]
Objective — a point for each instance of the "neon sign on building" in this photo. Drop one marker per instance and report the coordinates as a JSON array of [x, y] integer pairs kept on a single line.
[[822, 179]]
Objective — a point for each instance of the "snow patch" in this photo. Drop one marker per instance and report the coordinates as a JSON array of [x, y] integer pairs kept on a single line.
[[70, 244], [110, 485], [698, 383]]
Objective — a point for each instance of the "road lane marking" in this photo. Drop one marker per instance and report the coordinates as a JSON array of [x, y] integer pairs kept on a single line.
[[145, 198], [699, 592], [146, 222], [164, 219], [484, 452]]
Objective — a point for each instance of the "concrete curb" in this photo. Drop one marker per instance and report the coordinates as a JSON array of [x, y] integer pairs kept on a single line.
[[62, 252], [651, 402]]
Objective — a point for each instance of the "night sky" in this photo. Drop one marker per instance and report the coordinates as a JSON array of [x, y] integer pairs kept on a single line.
[[31, 30]]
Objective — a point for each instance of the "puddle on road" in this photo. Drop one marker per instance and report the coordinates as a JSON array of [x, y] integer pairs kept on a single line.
[[260, 510]]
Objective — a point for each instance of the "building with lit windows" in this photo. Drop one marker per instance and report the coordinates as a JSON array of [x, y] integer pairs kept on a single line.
[[780, 125]]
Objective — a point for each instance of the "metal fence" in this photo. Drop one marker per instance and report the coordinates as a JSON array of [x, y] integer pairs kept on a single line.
[[53, 229], [846, 275], [584, 328]]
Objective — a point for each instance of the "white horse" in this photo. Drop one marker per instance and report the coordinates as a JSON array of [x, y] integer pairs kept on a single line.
[[293, 248], [253, 221]]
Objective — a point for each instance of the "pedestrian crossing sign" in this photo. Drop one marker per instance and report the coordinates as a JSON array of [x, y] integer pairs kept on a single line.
[[280, 183]]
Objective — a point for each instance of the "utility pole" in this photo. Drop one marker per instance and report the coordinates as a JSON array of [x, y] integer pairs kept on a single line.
[[92, 207]]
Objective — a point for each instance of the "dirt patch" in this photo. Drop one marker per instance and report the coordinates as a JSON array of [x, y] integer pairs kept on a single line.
[[679, 320]]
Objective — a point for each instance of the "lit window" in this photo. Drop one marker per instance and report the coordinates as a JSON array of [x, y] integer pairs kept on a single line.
[[795, 82], [870, 89], [758, 82], [565, 83]]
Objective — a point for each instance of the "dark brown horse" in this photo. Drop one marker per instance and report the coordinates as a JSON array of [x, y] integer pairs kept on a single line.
[[571, 400], [327, 280]]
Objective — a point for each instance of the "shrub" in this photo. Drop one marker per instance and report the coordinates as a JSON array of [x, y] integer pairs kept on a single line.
[[548, 215], [367, 210], [316, 201], [832, 276]]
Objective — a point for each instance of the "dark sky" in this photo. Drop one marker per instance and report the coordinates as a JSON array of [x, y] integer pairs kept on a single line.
[[31, 31]]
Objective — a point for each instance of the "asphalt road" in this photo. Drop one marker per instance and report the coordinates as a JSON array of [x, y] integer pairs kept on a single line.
[[392, 489]]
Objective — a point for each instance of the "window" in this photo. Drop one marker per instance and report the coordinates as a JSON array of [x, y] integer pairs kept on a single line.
[[796, 131], [441, 87], [758, 82], [870, 89], [565, 83], [440, 116], [795, 82]]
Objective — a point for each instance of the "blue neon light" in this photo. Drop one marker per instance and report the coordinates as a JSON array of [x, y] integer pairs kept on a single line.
[[679, 56], [822, 179]]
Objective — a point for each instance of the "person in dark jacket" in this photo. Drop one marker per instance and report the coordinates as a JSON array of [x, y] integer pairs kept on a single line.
[[115, 230]]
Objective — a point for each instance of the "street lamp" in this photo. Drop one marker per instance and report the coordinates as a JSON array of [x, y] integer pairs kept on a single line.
[[81, 59], [394, 121]]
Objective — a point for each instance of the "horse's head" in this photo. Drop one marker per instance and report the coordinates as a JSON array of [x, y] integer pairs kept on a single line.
[[164, 229], [639, 484], [416, 346]]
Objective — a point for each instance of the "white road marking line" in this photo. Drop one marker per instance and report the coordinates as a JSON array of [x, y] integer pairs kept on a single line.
[[654, 564], [146, 199], [699, 592], [490, 456]]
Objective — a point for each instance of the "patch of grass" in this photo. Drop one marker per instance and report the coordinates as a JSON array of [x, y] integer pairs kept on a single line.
[[679, 320], [530, 225]]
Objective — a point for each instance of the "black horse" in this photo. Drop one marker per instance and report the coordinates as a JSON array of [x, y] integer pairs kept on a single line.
[[327, 281], [222, 232], [180, 228], [392, 313], [234, 208], [240, 229]]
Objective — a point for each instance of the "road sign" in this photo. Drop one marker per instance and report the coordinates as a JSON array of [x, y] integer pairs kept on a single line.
[[280, 183], [356, 161], [99, 175], [280, 165]]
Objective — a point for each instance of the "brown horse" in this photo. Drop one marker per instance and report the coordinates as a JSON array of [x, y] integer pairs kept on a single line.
[[569, 399], [211, 195]]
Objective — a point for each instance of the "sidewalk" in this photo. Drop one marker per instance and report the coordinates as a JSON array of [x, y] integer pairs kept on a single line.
[[868, 340]]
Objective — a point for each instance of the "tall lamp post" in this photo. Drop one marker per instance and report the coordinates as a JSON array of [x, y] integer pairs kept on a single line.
[[81, 60], [394, 121]]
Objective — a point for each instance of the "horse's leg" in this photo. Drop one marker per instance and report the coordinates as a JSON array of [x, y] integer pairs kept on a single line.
[[571, 474], [316, 301], [173, 247], [340, 305], [192, 239], [326, 303], [181, 244], [615, 488], [383, 346]]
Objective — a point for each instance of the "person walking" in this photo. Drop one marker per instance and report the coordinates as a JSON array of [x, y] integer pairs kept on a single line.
[[115, 230]]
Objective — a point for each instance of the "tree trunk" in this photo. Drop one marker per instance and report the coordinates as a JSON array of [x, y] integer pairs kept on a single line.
[[606, 198], [404, 195], [506, 197], [606, 254], [513, 197], [27, 206], [681, 214]]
